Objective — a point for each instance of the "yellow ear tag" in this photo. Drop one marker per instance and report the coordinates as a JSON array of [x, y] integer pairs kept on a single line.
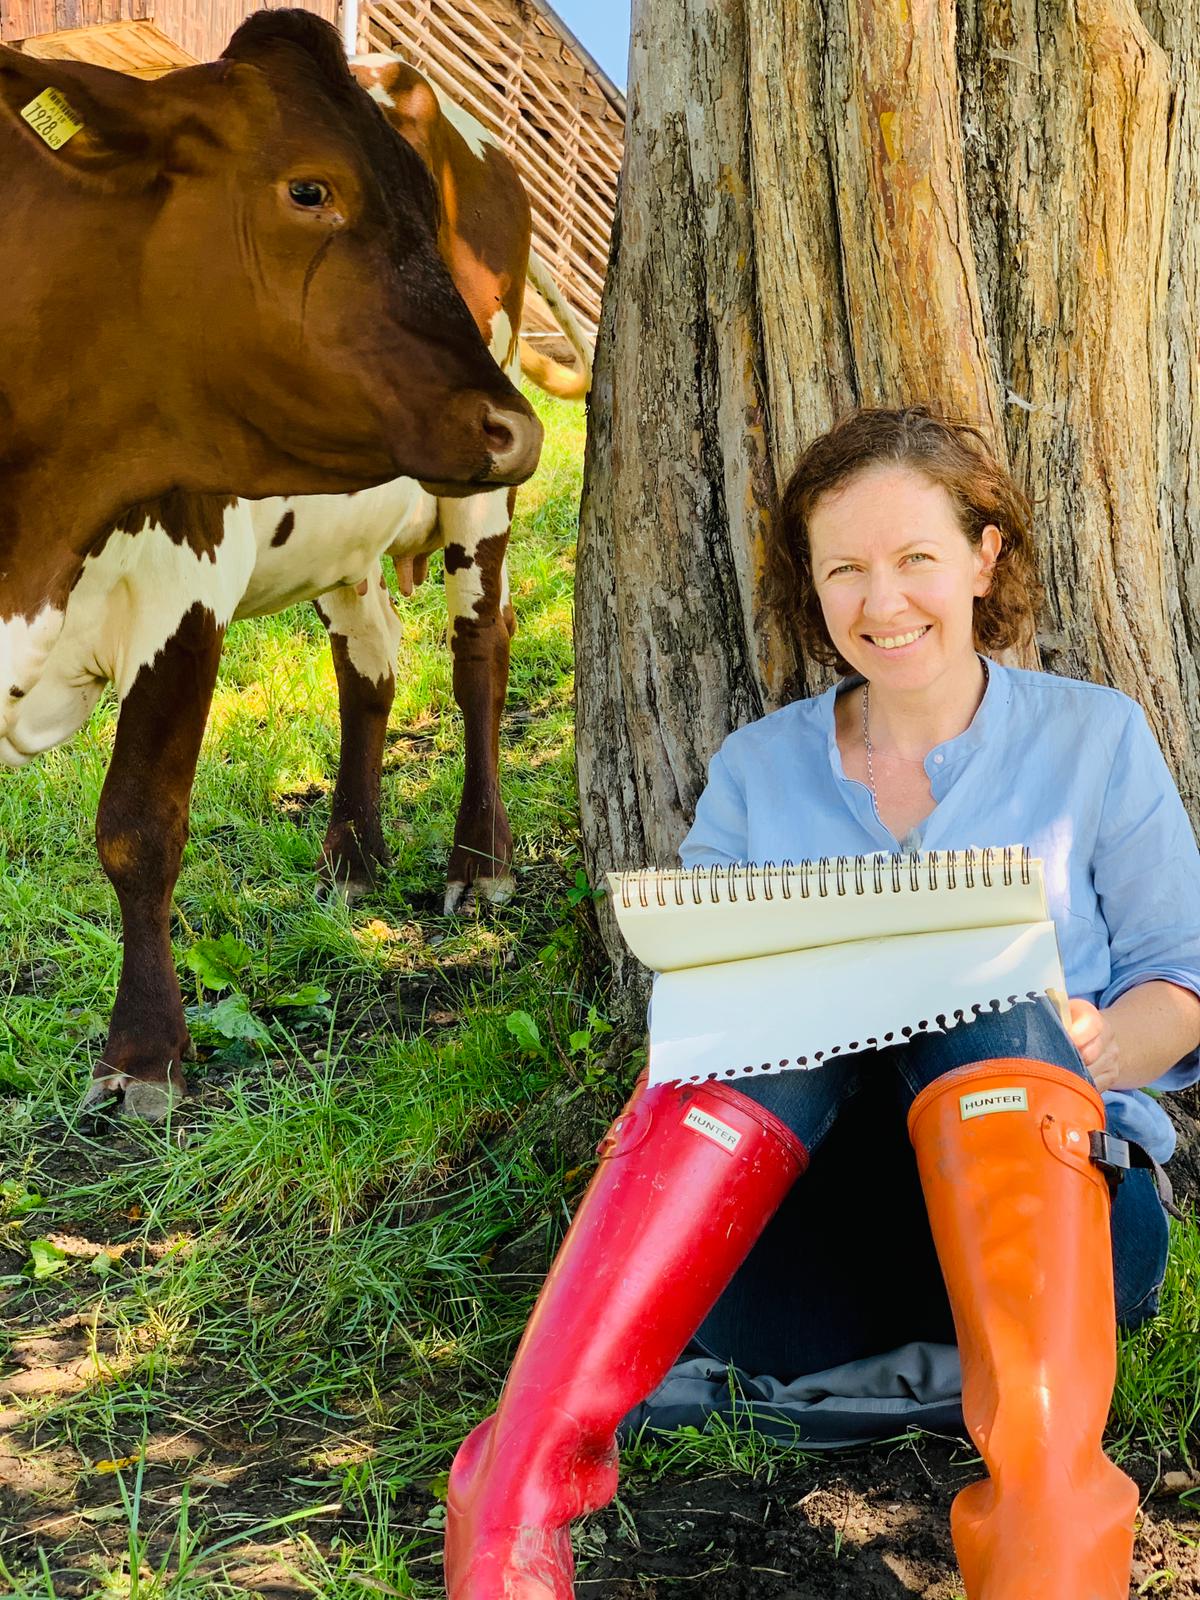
[[52, 119]]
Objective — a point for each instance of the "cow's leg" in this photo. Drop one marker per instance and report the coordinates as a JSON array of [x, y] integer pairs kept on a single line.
[[141, 829], [364, 635], [482, 624]]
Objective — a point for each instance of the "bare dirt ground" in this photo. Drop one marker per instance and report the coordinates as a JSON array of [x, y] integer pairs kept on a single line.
[[874, 1525]]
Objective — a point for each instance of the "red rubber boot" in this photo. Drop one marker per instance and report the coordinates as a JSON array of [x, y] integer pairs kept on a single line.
[[689, 1177]]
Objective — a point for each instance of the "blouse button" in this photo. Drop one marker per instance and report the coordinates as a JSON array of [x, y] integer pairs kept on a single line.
[[939, 758]]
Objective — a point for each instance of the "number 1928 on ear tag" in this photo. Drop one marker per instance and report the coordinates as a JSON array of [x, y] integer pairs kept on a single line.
[[51, 118]]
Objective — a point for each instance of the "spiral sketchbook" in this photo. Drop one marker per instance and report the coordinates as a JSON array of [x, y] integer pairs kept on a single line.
[[769, 968]]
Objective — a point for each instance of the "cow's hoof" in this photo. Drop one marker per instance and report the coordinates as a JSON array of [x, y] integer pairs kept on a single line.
[[101, 1090], [348, 880], [460, 897], [497, 891], [149, 1101], [344, 888]]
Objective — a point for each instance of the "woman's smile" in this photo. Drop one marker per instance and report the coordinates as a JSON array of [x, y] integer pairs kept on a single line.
[[893, 642]]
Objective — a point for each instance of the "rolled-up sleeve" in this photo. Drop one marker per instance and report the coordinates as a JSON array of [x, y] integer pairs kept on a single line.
[[1146, 872], [718, 836]]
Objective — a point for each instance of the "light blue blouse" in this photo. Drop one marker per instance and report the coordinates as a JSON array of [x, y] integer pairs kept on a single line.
[[1070, 769]]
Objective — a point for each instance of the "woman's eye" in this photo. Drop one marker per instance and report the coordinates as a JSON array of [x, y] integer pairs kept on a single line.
[[917, 555], [309, 193]]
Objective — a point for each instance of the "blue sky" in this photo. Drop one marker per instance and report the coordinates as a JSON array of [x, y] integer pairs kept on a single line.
[[603, 26]]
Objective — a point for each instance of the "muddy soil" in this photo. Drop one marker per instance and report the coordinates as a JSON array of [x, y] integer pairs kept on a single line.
[[873, 1524]]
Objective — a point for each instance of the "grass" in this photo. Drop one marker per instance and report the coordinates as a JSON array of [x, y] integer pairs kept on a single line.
[[1157, 1400], [260, 1331]]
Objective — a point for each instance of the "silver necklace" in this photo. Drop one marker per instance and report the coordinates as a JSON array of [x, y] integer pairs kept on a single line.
[[869, 748], [867, 744]]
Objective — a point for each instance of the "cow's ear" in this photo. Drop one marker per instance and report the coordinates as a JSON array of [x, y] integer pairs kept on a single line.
[[87, 118]]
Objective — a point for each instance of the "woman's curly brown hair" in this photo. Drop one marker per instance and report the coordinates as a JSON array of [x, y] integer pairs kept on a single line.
[[947, 452]]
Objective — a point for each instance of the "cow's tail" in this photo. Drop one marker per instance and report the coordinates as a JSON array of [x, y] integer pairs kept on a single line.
[[568, 383]]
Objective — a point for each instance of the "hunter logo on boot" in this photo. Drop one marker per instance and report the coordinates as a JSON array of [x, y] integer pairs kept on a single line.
[[719, 1132], [986, 1101]]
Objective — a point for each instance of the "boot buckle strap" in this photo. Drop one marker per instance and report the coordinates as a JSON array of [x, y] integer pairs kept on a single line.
[[1115, 1157]]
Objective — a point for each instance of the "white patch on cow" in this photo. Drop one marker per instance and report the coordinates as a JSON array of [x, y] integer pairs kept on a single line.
[[26, 645], [465, 524], [128, 604], [502, 340], [130, 599], [380, 94], [369, 625], [336, 540], [476, 135]]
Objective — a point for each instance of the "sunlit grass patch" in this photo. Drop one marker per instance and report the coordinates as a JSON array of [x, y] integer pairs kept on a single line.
[[1157, 1399]]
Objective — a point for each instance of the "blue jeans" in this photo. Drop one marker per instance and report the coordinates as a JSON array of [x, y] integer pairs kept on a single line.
[[847, 1267]]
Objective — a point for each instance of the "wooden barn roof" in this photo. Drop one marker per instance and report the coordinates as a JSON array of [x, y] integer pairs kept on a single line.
[[611, 93]]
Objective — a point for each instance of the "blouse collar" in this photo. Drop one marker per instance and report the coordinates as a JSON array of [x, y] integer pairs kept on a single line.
[[984, 725]]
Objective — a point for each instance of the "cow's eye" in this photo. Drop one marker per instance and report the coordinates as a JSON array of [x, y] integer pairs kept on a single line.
[[308, 193]]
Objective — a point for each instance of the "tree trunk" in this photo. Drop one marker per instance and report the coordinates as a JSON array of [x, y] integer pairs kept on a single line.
[[990, 204]]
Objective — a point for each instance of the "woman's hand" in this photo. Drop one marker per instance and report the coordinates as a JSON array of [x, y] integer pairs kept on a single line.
[[1093, 1035]]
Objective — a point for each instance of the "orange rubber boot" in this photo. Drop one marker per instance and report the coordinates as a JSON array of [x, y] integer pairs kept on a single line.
[[1020, 1219], [688, 1179]]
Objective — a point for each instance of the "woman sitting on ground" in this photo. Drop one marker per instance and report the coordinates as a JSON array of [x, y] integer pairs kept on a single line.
[[910, 554]]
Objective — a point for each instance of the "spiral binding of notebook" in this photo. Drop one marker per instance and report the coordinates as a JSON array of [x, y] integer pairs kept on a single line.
[[840, 875], [768, 967]]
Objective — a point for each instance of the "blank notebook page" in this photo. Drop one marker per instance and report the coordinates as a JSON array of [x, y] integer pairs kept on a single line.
[[766, 969]]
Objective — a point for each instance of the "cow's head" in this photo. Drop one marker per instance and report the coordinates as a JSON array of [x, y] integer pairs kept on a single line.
[[225, 280], [264, 247]]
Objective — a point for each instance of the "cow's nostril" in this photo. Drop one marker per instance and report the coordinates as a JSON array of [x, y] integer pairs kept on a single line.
[[498, 430], [16, 694], [514, 442]]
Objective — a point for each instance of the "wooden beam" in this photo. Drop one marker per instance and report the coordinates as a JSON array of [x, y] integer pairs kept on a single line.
[[134, 47]]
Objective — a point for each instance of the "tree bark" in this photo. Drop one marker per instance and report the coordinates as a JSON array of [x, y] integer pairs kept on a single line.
[[989, 204]]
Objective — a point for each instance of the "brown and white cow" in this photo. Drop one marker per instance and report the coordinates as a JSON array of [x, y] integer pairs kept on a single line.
[[225, 281], [148, 614]]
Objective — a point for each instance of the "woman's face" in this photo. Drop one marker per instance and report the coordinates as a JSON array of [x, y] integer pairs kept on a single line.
[[897, 578]]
